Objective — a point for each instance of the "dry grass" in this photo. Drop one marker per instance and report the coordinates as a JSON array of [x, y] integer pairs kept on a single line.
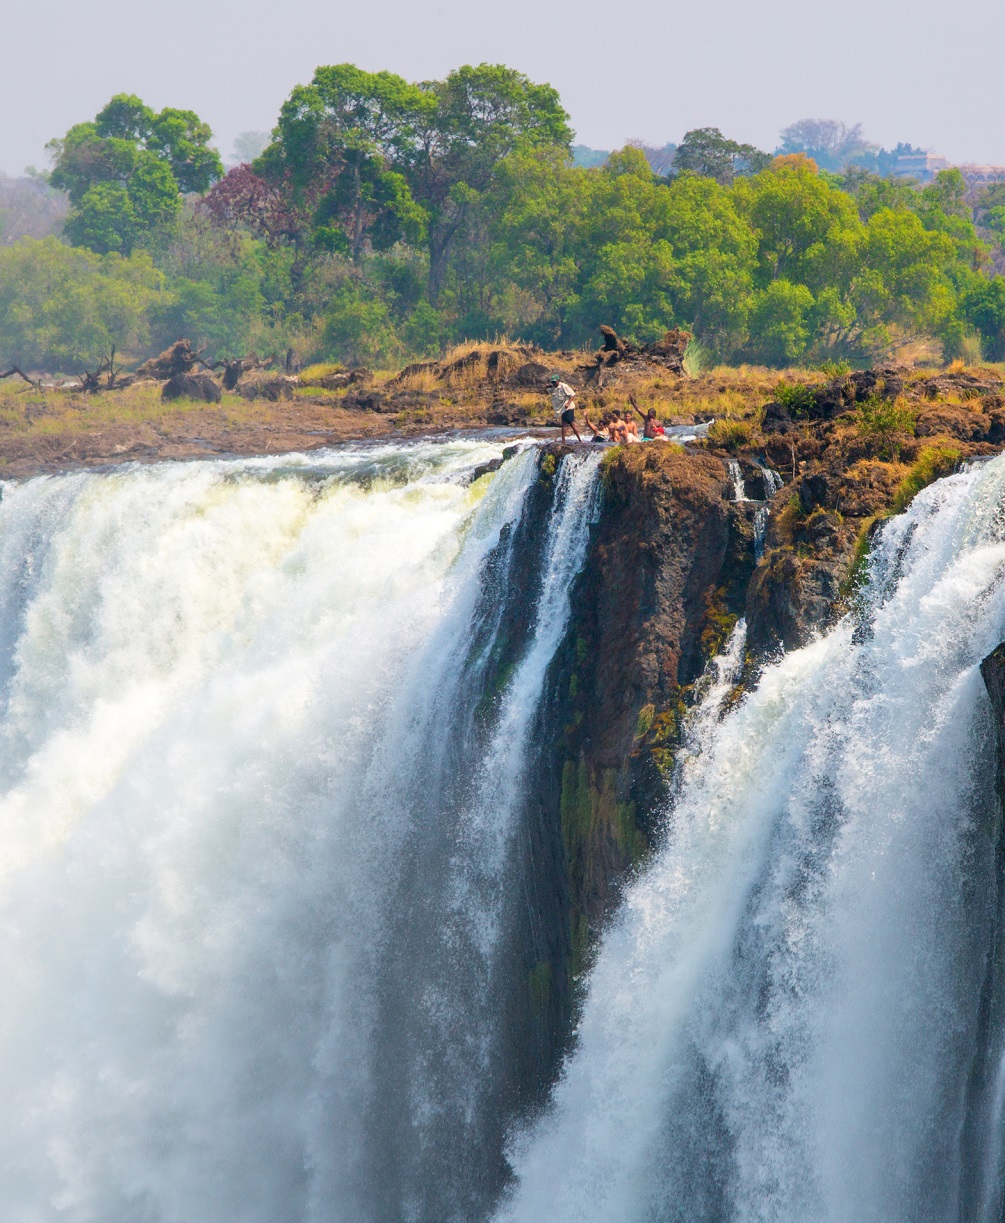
[[425, 381], [58, 412], [54, 428], [314, 373], [732, 393]]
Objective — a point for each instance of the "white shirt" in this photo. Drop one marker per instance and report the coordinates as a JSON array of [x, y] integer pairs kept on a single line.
[[561, 396]]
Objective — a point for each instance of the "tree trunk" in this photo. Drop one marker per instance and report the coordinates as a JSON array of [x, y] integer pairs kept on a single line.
[[441, 239]]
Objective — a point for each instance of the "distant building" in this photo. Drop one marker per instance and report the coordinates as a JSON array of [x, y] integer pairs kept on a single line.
[[920, 165]]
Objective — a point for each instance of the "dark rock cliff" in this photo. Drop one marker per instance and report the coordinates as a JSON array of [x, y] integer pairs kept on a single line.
[[670, 568], [983, 1089], [665, 580]]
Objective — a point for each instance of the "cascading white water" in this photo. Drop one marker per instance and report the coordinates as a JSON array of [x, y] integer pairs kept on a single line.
[[782, 1022], [736, 480], [761, 515], [237, 726]]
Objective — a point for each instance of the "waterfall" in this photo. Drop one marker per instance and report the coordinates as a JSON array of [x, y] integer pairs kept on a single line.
[[736, 480], [784, 1021], [264, 725], [761, 515], [772, 480]]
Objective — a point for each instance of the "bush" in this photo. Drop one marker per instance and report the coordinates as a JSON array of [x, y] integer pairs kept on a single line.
[[796, 397], [834, 369], [359, 331], [889, 420], [730, 434]]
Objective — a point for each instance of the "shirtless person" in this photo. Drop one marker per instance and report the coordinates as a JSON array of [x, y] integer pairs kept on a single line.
[[651, 427], [563, 400], [617, 428]]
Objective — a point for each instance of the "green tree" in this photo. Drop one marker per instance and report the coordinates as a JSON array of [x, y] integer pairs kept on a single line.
[[983, 307], [707, 152], [481, 115], [63, 308], [125, 170], [336, 144], [780, 323], [802, 222]]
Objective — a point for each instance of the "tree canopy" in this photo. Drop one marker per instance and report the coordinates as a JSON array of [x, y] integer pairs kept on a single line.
[[387, 218], [125, 172]]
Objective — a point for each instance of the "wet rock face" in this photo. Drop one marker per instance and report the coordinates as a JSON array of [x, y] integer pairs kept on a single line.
[[792, 596], [664, 581], [993, 674]]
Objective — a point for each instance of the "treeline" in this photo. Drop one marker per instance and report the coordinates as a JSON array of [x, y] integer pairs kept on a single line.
[[386, 220]]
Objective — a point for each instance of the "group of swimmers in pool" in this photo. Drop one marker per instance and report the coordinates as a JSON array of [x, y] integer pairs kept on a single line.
[[614, 426]]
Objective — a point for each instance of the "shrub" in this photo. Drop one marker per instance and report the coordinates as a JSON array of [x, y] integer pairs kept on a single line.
[[933, 462], [834, 369], [731, 434], [889, 420], [796, 397]]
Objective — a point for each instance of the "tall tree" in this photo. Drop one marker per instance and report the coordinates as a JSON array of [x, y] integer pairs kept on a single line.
[[373, 157], [706, 151], [480, 115], [832, 144], [125, 170], [337, 142]]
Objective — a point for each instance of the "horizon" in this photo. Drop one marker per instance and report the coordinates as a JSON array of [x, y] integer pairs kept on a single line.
[[615, 88]]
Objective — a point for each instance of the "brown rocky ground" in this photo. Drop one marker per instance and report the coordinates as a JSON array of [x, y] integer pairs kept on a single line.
[[473, 387]]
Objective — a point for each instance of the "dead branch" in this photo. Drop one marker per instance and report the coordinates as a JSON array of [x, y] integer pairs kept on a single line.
[[21, 374]]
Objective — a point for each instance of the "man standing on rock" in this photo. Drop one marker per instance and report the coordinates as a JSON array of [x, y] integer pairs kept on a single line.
[[563, 400]]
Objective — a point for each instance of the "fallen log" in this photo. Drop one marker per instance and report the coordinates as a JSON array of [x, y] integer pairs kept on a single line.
[[7, 373]]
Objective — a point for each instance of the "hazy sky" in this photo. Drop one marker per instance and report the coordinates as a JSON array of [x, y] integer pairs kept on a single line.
[[906, 69]]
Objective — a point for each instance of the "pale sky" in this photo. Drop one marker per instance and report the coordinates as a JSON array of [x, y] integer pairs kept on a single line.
[[907, 69]]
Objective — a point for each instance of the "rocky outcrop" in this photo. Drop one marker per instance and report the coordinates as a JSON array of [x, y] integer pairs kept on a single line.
[[983, 1105], [200, 387], [180, 358], [270, 386], [667, 353], [664, 582]]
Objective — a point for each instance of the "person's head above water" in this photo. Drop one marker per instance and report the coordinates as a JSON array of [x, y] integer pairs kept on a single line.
[[651, 414]]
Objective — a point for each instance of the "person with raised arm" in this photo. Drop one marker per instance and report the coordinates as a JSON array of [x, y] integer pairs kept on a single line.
[[651, 427]]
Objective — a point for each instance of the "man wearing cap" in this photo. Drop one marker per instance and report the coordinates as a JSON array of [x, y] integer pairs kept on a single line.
[[563, 400]]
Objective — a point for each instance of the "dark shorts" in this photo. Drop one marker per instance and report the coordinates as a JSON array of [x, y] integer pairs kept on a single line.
[[569, 416]]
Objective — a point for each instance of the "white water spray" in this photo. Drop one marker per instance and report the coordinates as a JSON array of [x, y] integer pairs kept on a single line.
[[230, 697]]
